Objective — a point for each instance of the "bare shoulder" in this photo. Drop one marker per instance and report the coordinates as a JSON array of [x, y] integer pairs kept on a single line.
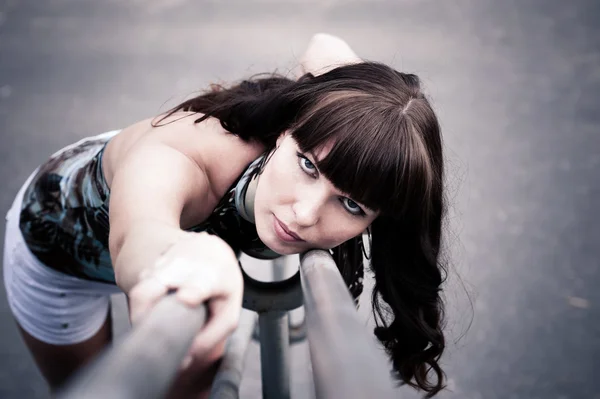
[[220, 154]]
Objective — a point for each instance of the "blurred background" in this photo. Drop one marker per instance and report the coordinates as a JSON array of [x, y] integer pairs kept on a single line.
[[516, 85]]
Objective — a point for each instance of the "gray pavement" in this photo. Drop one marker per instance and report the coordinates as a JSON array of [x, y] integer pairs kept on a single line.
[[516, 85]]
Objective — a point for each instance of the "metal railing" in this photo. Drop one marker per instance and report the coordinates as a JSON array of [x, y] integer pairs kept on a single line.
[[146, 362], [346, 362]]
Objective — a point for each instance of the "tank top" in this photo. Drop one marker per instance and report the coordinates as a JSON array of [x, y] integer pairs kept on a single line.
[[64, 214]]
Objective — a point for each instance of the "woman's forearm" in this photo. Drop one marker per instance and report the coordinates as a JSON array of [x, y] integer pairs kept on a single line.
[[140, 248]]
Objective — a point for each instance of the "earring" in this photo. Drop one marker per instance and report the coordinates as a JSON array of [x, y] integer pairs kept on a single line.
[[362, 244]]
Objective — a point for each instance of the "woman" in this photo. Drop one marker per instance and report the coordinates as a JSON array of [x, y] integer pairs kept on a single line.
[[270, 167]]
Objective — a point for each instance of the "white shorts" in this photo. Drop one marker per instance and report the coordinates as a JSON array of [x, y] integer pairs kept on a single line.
[[51, 306]]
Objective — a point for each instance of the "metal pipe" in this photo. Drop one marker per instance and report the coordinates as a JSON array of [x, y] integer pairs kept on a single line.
[[274, 354], [279, 267], [226, 384], [345, 360], [262, 296], [297, 331], [145, 363]]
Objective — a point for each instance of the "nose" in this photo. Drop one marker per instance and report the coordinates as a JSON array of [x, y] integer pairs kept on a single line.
[[307, 210]]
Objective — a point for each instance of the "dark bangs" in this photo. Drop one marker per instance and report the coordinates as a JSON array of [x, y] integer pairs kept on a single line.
[[376, 157]]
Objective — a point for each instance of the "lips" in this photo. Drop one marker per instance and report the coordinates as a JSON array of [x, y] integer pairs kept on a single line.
[[284, 233]]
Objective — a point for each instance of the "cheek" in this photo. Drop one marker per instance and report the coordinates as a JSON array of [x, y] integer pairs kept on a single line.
[[278, 180], [338, 228]]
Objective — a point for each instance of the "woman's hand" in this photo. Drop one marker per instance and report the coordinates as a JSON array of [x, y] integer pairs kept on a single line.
[[326, 52], [201, 268]]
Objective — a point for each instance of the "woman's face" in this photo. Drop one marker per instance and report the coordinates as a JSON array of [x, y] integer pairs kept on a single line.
[[297, 209]]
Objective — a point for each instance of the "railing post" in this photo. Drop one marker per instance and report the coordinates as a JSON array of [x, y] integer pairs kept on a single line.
[[274, 354], [274, 346]]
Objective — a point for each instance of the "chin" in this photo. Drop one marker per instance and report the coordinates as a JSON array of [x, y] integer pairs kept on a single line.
[[289, 251], [276, 246]]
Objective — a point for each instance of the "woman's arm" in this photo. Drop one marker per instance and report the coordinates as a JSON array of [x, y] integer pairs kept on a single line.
[[153, 186], [326, 52], [150, 188]]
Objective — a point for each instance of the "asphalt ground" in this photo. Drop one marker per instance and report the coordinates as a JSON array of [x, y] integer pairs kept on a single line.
[[516, 85]]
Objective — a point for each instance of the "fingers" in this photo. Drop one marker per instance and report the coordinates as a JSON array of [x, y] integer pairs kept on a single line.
[[223, 322], [201, 361], [154, 284], [199, 270], [194, 283], [143, 297], [203, 285]]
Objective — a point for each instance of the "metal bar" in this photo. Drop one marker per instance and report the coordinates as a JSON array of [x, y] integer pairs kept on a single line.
[[278, 267], [346, 362], [298, 331], [262, 296], [274, 354], [144, 364], [226, 384]]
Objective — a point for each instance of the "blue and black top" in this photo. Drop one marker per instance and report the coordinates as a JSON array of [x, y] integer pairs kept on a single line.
[[64, 215]]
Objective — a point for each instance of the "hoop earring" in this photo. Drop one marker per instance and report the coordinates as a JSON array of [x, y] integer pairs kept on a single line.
[[362, 244]]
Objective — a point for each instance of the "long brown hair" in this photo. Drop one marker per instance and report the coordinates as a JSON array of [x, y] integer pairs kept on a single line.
[[386, 154]]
